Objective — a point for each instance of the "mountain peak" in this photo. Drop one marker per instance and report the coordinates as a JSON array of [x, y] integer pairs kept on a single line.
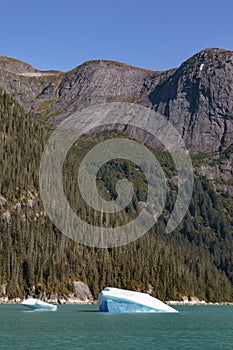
[[110, 63], [210, 55], [13, 65]]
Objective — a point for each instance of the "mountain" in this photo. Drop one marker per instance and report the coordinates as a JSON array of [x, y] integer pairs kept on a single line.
[[197, 98], [196, 259], [57, 94]]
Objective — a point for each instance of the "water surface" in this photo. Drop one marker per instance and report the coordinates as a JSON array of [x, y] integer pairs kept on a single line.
[[83, 327]]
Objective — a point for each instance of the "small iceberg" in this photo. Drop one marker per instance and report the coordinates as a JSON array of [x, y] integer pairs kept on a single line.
[[37, 304], [117, 300]]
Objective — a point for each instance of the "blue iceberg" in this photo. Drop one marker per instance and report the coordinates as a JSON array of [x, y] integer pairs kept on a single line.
[[117, 300]]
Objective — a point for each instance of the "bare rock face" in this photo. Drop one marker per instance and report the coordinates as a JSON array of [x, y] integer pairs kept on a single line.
[[197, 97], [82, 291], [198, 100], [98, 82], [3, 202], [56, 95], [92, 83], [14, 66], [25, 83]]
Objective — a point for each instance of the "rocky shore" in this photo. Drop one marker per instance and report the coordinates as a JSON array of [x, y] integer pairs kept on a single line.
[[63, 301], [195, 301], [80, 294]]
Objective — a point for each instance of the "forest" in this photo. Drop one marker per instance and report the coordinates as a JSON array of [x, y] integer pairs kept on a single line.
[[194, 260]]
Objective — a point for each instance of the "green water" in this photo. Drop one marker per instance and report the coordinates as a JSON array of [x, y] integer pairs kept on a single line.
[[83, 327]]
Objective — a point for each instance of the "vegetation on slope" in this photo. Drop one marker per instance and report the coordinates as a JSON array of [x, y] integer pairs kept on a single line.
[[195, 260]]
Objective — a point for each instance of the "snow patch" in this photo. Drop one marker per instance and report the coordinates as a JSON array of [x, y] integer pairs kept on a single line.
[[201, 66], [35, 74]]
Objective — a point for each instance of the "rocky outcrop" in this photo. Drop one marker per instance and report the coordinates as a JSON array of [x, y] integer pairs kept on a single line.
[[29, 201], [24, 82], [77, 293], [3, 202], [81, 292], [219, 169], [15, 66]]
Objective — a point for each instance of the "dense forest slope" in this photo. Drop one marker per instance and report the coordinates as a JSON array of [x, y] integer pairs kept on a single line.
[[194, 260], [197, 258]]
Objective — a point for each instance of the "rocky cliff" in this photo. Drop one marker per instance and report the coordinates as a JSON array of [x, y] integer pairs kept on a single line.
[[198, 100]]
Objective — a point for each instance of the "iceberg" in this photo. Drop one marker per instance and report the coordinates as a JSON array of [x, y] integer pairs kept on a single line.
[[37, 304], [117, 300]]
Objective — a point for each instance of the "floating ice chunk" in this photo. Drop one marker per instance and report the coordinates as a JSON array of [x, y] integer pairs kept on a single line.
[[122, 301], [38, 304]]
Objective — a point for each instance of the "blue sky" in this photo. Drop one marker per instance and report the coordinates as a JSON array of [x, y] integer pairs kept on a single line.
[[159, 34]]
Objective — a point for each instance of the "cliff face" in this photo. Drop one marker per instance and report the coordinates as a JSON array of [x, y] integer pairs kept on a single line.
[[198, 100], [97, 82]]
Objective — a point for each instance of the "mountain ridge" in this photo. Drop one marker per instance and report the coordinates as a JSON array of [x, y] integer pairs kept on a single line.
[[196, 97]]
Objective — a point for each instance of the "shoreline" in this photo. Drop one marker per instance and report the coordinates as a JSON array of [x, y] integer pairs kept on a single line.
[[200, 303], [69, 301], [72, 301]]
